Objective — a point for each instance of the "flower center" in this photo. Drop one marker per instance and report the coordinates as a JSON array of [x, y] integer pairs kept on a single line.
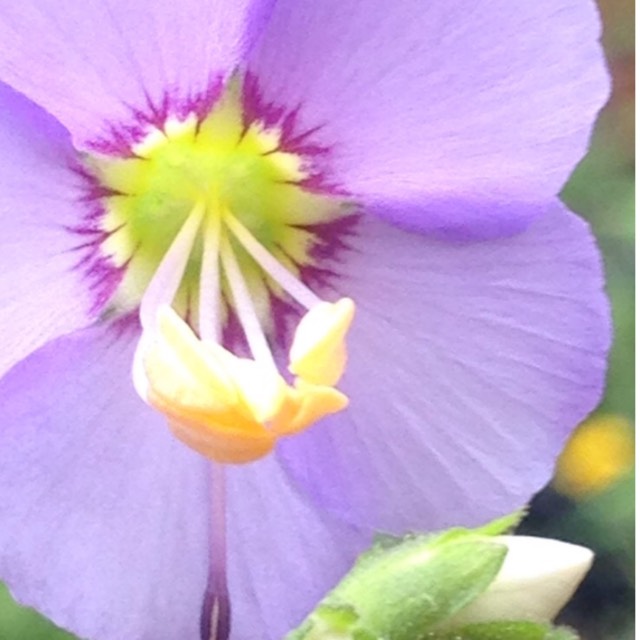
[[224, 167], [209, 222]]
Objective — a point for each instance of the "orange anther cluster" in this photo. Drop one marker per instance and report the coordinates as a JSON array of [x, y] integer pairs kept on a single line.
[[233, 409]]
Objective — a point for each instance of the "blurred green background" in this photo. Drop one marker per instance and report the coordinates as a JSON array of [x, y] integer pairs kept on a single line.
[[591, 501]]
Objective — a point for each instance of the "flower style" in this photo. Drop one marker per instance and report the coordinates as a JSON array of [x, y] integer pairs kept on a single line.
[[255, 184]]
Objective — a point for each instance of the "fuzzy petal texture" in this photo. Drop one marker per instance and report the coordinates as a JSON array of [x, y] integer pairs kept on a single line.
[[98, 64], [42, 293], [285, 554], [469, 366], [440, 116], [103, 524]]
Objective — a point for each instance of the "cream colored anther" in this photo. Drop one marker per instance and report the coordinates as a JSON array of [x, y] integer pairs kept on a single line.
[[318, 354], [230, 409]]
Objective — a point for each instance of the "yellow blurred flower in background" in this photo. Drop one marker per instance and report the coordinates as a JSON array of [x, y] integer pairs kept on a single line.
[[599, 452]]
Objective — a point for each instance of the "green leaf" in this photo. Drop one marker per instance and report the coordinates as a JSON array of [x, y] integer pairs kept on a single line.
[[20, 623], [561, 633]]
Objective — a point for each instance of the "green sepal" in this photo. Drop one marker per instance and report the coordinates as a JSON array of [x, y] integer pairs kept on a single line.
[[399, 593], [503, 525], [383, 542], [505, 630], [331, 623], [403, 587]]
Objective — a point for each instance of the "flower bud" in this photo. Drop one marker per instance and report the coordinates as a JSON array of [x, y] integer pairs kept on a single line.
[[460, 583], [537, 578]]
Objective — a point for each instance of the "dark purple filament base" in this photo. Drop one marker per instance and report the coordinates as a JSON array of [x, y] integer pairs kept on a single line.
[[217, 592]]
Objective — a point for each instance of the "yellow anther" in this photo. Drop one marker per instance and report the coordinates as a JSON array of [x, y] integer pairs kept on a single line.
[[318, 354], [226, 445], [262, 389], [180, 371], [193, 384], [305, 404], [227, 408]]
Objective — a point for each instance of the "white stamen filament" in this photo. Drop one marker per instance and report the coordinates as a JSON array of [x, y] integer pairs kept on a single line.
[[277, 271], [244, 307], [138, 373], [217, 256], [209, 322], [166, 280]]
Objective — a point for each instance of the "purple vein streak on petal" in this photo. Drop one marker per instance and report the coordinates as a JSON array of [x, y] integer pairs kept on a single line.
[[295, 139]]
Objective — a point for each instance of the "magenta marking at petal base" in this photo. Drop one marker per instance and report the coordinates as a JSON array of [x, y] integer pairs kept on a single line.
[[330, 239], [122, 137], [300, 143], [101, 274]]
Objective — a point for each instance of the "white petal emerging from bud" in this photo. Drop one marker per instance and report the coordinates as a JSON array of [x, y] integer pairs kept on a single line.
[[537, 579]]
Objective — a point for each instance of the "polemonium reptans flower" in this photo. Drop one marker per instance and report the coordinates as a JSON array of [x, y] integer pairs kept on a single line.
[[404, 157]]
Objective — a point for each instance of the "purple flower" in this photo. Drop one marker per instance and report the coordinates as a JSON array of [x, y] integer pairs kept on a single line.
[[406, 156]]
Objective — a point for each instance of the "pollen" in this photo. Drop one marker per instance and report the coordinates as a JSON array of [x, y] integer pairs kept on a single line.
[[230, 409], [318, 353]]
